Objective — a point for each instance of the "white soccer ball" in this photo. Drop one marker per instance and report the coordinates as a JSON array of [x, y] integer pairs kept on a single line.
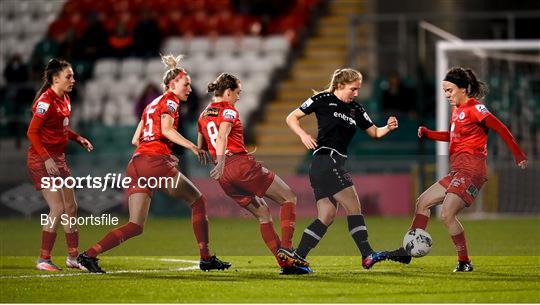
[[417, 242]]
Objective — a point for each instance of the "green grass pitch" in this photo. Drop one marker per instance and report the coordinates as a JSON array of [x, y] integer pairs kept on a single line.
[[161, 266]]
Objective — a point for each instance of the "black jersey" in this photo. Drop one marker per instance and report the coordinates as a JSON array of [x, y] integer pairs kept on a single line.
[[337, 121]]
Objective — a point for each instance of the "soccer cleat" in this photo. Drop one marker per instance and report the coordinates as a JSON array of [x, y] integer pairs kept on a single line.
[[464, 267], [400, 256], [374, 258], [213, 263], [71, 262], [90, 263], [46, 265], [287, 257], [295, 269]]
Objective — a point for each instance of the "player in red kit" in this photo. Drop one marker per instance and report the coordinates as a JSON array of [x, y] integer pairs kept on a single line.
[[469, 127], [154, 137], [242, 177], [49, 133]]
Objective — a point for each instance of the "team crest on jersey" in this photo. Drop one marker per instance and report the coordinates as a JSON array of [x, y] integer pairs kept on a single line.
[[211, 112], [461, 116], [482, 109], [307, 103], [229, 114], [42, 107], [172, 105], [66, 121]]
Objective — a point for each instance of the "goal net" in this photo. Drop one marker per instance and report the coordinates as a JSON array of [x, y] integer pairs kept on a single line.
[[511, 70]]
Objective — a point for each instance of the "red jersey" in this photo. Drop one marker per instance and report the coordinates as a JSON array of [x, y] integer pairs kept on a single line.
[[467, 133], [55, 112], [151, 140], [209, 122]]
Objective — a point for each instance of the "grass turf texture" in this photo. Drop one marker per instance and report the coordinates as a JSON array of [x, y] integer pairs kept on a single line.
[[505, 253]]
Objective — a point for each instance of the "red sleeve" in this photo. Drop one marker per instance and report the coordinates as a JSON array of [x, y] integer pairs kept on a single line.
[[436, 135], [73, 136], [492, 122], [229, 115], [170, 107], [33, 135]]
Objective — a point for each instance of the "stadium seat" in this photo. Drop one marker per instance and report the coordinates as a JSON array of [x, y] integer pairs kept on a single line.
[[175, 46], [132, 67], [106, 67], [226, 45]]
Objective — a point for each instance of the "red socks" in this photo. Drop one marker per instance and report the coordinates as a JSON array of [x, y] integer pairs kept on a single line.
[[47, 243], [420, 221], [288, 218], [72, 241], [461, 247], [199, 221], [270, 237], [114, 238]]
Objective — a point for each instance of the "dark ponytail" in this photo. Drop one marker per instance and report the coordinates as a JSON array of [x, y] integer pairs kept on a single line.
[[53, 68], [466, 78], [223, 82]]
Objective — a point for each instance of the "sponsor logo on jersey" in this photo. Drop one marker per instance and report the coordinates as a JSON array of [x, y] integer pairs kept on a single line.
[[472, 190], [42, 107], [461, 115], [229, 114], [482, 109], [172, 105], [307, 103], [332, 104], [349, 120]]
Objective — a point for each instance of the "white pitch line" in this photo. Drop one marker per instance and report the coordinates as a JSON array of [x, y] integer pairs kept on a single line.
[[194, 267]]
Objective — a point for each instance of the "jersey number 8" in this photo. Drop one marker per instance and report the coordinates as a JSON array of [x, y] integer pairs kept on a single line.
[[212, 130]]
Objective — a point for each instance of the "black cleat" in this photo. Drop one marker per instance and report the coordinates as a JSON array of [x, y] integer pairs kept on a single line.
[[90, 263], [464, 267], [300, 261], [400, 256], [213, 263], [295, 269]]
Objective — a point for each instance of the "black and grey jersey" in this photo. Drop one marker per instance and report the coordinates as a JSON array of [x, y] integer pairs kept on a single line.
[[337, 121]]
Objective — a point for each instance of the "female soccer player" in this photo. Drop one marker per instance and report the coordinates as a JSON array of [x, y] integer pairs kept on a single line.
[[154, 137], [338, 117], [48, 133], [468, 150], [242, 177]]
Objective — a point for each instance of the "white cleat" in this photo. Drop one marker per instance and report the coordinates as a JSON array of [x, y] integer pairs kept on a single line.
[[71, 262], [46, 265]]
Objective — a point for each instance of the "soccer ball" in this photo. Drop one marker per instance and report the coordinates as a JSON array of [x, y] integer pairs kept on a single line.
[[417, 242]]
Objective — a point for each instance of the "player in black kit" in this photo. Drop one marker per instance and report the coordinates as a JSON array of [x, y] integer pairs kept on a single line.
[[338, 117]]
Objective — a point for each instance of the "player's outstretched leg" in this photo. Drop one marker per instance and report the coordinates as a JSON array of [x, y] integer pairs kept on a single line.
[[399, 255], [213, 263]]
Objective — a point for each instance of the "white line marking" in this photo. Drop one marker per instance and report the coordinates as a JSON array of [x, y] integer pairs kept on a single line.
[[174, 260]]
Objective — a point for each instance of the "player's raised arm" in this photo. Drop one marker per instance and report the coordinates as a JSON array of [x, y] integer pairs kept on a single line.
[[492, 122], [443, 136], [293, 121], [380, 132]]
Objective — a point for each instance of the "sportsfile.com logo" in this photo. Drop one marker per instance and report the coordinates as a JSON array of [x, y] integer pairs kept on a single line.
[[110, 180]]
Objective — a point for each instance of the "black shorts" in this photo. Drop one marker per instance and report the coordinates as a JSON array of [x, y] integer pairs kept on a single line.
[[328, 175]]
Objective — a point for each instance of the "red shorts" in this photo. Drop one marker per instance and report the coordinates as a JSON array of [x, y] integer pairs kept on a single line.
[[466, 178], [244, 177], [36, 168], [143, 167]]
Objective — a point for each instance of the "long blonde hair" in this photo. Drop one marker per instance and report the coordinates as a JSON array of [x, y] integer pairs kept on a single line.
[[172, 63], [342, 76]]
